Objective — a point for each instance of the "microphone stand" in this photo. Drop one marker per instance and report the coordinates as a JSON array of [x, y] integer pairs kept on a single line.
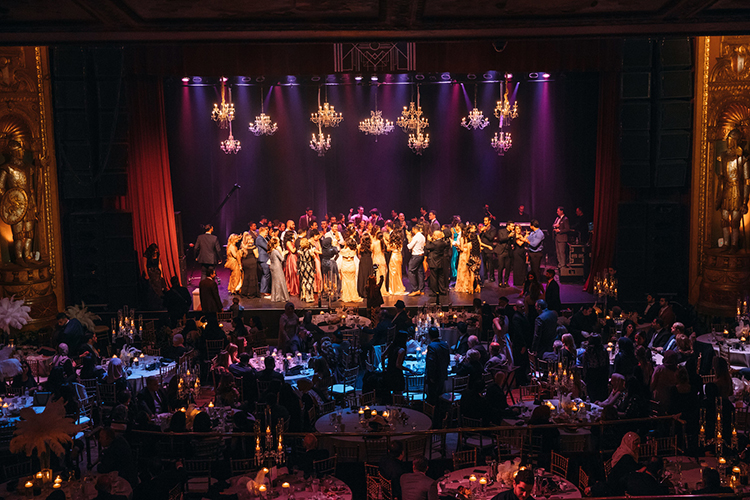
[[226, 199]]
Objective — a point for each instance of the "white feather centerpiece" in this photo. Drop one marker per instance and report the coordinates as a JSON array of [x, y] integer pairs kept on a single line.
[[83, 315], [13, 314], [44, 432]]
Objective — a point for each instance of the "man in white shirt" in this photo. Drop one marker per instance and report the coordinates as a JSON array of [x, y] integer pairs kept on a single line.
[[337, 239], [358, 217], [416, 270]]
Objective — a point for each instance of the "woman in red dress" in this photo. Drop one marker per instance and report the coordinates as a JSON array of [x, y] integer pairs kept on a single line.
[[290, 265]]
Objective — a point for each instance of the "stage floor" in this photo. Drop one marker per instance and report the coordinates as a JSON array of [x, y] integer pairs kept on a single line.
[[571, 294]]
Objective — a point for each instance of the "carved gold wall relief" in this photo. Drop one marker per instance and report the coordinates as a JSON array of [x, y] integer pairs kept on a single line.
[[31, 258], [718, 278]]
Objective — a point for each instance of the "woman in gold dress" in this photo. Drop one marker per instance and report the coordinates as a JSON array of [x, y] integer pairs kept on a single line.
[[465, 278], [233, 263], [395, 281], [378, 257], [348, 272]]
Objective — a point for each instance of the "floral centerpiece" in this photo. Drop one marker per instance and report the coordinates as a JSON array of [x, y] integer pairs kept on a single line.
[[127, 354], [43, 432], [83, 315]]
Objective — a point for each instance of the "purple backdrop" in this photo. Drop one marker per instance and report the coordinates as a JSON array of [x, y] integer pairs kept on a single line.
[[551, 162]]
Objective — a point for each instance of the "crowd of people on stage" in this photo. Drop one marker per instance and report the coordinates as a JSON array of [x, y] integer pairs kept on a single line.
[[339, 255]]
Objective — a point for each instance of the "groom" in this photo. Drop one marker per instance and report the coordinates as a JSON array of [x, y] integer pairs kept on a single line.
[[262, 243]]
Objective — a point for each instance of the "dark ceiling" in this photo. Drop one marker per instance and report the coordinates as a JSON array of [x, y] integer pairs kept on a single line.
[[40, 21]]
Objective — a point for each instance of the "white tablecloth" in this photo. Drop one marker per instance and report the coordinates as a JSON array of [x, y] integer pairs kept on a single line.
[[330, 489], [138, 374], [350, 418], [739, 354], [450, 482], [258, 364]]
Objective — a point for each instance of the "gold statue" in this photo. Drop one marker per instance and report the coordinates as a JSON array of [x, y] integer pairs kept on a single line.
[[732, 189], [18, 207]]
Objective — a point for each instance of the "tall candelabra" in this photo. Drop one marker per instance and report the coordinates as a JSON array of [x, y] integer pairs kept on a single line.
[[605, 286], [188, 386], [267, 455], [125, 325]]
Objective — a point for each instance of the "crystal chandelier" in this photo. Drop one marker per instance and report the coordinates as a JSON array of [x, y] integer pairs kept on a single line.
[[224, 113], [476, 119], [320, 144], [411, 117], [263, 125], [376, 125], [501, 142], [503, 111], [326, 115], [418, 141], [230, 145]]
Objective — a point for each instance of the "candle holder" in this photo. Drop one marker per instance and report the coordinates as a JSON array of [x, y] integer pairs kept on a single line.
[[267, 455]]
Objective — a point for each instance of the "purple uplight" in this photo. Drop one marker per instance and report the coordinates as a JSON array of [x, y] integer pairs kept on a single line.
[[185, 79], [545, 75]]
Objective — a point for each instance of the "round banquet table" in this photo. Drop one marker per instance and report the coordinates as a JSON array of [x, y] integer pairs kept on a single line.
[[686, 472], [450, 482], [226, 326], [417, 422], [73, 489], [257, 363], [329, 489], [565, 433], [138, 375], [348, 323], [739, 354], [451, 334]]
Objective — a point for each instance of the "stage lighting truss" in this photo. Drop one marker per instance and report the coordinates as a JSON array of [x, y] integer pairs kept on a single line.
[[503, 111], [230, 146], [326, 115], [263, 125], [475, 119], [376, 125], [320, 143], [223, 114]]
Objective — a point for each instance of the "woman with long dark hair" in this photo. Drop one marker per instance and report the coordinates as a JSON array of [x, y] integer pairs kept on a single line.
[[596, 368], [290, 264], [475, 258], [365, 264], [393, 371], [152, 263], [249, 261]]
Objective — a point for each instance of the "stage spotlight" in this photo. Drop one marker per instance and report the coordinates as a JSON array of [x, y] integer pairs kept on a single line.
[[471, 76], [331, 78], [533, 76], [374, 78], [358, 78], [419, 76], [245, 79], [260, 79], [315, 78], [185, 79], [487, 76], [508, 76], [197, 79], [223, 78], [545, 75], [291, 79], [445, 76]]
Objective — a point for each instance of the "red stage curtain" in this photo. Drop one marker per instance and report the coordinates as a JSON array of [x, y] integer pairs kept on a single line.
[[149, 195], [607, 182]]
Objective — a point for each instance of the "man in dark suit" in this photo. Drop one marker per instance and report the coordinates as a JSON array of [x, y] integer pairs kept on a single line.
[[582, 321], [434, 224], [651, 311], [265, 270], [552, 292], [177, 300], [436, 366], [417, 485], [306, 220], [207, 250], [435, 249], [462, 345], [117, 456], [545, 329], [69, 331], [401, 320], [561, 229], [488, 236], [269, 373], [248, 375], [392, 466], [209, 293], [152, 398], [503, 253]]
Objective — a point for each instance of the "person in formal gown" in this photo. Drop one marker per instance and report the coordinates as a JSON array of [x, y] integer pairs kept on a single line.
[[306, 269], [519, 257], [365, 264], [249, 255], [475, 259], [279, 291], [329, 267], [456, 230], [153, 269], [289, 242], [348, 272], [233, 264], [395, 281], [378, 258], [314, 237], [207, 250], [464, 278]]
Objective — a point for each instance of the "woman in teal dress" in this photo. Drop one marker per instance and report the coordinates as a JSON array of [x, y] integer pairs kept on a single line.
[[456, 230]]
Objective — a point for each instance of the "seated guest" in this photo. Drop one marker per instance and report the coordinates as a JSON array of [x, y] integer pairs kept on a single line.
[[269, 373], [497, 404], [71, 376], [89, 368], [239, 330], [104, 489], [143, 422], [379, 334], [549, 435], [617, 394], [636, 402], [498, 362], [248, 375], [624, 462], [226, 392], [191, 334], [152, 398], [60, 357], [723, 378], [117, 456], [660, 334], [647, 480], [116, 375], [25, 379], [523, 484], [202, 422], [159, 479], [712, 483], [462, 345], [583, 321], [645, 369], [236, 309], [665, 377], [625, 360], [595, 365], [212, 331], [471, 366], [89, 347], [177, 350], [473, 402], [417, 485], [311, 454], [314, 330], [392, 466], [122, 413], [232, 352], [341, 350], [297, 342], [474, 343], [178, 422], [568, 354]]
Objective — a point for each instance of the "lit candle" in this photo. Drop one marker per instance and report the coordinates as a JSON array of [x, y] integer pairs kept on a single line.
[[367, 408], [257, 444], [188, 373], [221, 325], [58, 480], [483, 480], [361, 411], [718, 435], [211, 404], [385, 414], [285, 486], [472, 478], [56, 486], [29, 484], [373, 413], [736, 470], [262, 490], [182, 409], [39, 475], [143, 356], [265, 470], [722, 461]]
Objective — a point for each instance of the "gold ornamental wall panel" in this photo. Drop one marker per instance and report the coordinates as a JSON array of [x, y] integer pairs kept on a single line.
[[30, 239]]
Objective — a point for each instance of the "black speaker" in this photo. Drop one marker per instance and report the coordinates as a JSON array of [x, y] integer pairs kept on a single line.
[[674, 145], [671, 174], [635, 175], [635, 115], [676, 84], [636, 85], [636, 53], [676, 115], [676, 53], [635, 147]]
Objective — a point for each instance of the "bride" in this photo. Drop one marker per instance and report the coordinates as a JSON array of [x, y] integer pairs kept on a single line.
[[348, 272]]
